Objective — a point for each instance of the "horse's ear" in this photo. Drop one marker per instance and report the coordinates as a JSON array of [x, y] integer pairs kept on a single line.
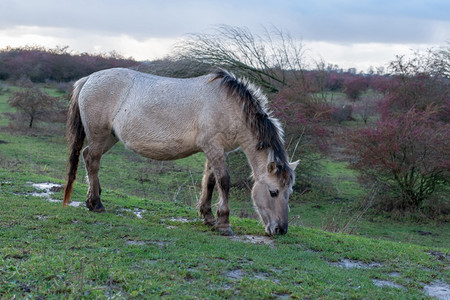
[[272, 167], [294, 164]]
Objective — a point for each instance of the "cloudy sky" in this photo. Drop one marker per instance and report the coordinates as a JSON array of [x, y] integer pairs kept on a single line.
[[349, 33]]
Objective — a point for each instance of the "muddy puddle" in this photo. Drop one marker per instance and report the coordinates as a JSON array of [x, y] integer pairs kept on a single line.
[[254, 239]]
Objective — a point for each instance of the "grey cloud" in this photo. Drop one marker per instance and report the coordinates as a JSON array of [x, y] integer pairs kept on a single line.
[[344, 21]]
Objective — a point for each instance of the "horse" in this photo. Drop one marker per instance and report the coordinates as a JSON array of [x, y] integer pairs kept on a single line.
[[166, 118]]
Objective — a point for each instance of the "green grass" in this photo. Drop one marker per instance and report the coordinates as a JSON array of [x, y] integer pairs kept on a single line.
[[5, 93], [50, 252]]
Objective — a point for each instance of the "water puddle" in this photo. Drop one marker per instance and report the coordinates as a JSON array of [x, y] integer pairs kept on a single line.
[[387, 283], [235, 274], [438, 289], [138, 212], [254, 239], [238, 274], [179, 220], [47, 189], [354, 264], [394, 274], [265, 276], [281, 295], [135, 243], [160, 244]]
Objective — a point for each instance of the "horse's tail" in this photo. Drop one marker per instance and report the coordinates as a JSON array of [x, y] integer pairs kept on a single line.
[[75, 136]]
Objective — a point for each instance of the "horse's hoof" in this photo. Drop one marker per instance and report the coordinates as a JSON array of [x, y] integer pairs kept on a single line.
[[99, 208], [89, 206], [225, 231], [210, 222]]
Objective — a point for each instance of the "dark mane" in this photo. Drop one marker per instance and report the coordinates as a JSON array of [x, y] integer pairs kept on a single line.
[[259, 119]]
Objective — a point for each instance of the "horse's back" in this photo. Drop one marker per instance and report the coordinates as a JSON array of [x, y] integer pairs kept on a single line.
[[157, 117]]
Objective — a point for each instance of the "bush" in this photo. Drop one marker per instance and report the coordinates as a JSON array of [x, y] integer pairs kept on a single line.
[[408, 154], [418, 82], [59, 64], [353, 87]]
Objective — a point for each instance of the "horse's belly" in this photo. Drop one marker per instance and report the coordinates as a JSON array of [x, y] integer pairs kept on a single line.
[[163, 150]]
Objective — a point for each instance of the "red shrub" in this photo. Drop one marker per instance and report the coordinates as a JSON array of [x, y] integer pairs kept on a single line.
[[354, 87], [410, 154], [415, 91], [383, 84], [303, 116]]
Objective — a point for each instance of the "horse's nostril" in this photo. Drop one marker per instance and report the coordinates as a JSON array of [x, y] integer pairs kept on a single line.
[[280, 229], [277, 230]]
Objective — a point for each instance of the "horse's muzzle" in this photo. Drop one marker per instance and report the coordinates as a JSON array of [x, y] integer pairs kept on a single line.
[[277, 228]]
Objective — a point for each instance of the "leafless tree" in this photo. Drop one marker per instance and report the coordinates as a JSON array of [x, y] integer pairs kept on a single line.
[[272, 60], [172, 67], [34, 104]]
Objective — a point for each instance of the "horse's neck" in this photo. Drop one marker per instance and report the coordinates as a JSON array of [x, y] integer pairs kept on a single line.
[[258, 159]]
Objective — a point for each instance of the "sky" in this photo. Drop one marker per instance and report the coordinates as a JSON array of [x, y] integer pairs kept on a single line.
[[347, 33]]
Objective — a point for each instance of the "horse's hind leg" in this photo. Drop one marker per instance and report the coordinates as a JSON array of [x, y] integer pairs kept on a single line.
[[92, 161], [92, 156], [204, 206]]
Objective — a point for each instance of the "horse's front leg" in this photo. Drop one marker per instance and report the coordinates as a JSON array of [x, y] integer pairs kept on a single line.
[[204, 205], [216, 158], [92, 162]]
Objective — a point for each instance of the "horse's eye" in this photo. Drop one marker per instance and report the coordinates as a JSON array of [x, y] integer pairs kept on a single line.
[[273, 194]]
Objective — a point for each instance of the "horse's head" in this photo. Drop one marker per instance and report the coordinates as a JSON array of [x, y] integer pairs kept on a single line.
[[270, 196]]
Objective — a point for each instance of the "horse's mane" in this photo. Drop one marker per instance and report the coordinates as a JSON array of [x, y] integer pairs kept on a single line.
[[259, 119]]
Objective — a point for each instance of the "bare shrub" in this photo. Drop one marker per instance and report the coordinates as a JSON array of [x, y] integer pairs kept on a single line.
[[34, 105], [272, 60], [173, 67], [343, 113]]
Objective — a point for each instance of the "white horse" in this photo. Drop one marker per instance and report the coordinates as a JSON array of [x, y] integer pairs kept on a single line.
[[166, 119]]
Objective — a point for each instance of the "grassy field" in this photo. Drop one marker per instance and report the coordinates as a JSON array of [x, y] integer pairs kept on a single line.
[[51, 252], [150, 242]]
